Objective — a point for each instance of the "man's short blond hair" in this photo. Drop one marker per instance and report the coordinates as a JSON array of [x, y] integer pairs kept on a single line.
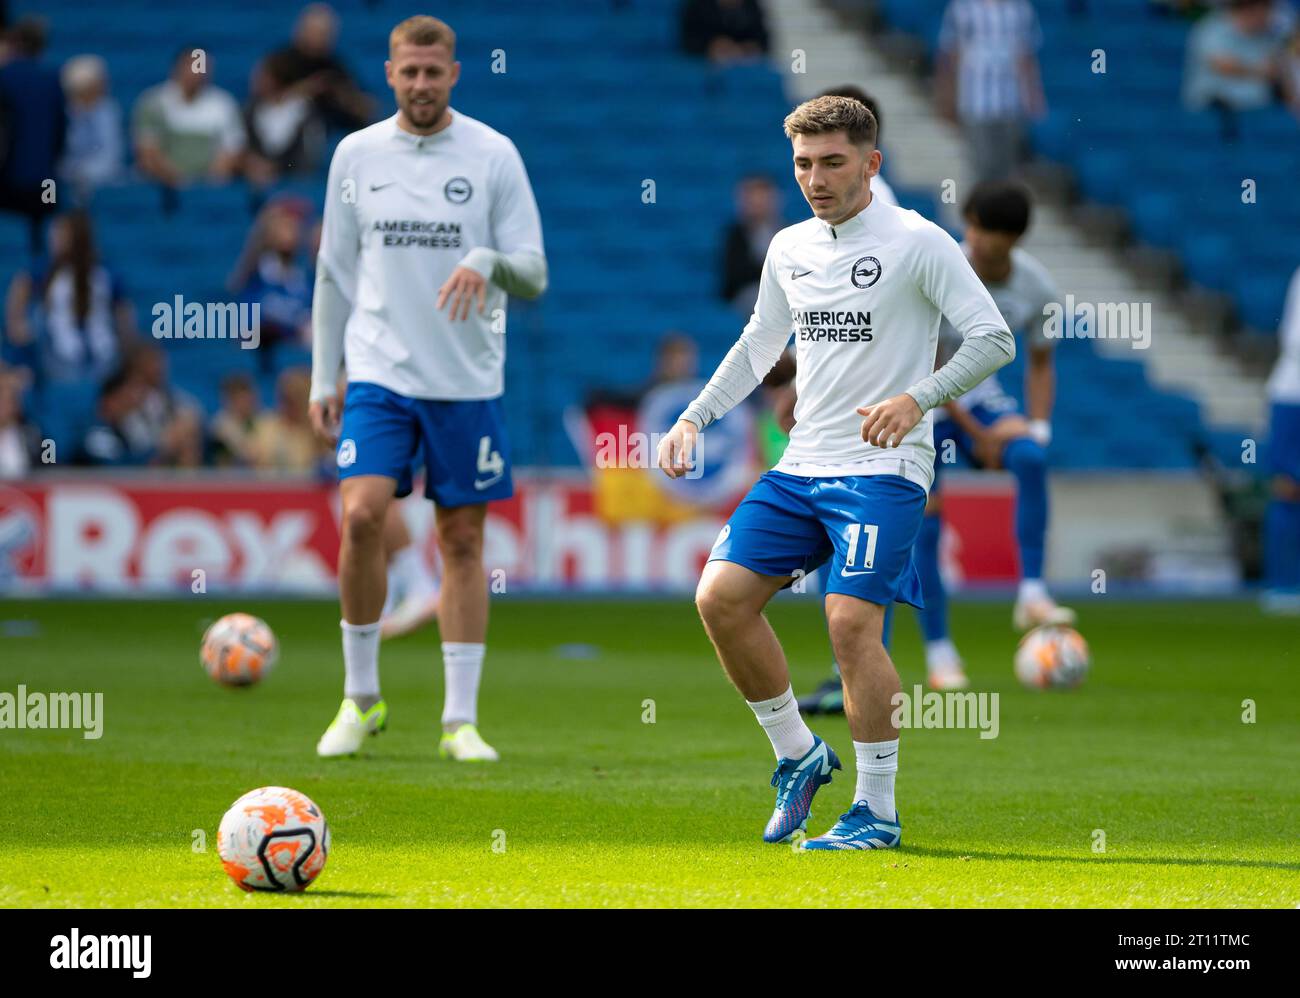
[[823, 115], [422, 30]]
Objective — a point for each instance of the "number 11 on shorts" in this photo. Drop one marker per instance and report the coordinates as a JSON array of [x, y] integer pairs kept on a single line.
[[854, 532]]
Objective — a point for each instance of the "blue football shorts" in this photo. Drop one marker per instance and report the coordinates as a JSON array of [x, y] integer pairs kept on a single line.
[[461, 442], [863, 527]]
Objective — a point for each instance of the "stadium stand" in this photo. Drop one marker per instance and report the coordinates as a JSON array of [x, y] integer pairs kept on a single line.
[[646, 148]]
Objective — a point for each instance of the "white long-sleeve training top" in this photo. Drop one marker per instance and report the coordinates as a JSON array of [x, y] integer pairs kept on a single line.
[[402, 211], [864, 300]]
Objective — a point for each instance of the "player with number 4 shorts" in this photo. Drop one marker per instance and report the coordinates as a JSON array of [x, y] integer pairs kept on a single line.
[[863, 286], [429, 224]]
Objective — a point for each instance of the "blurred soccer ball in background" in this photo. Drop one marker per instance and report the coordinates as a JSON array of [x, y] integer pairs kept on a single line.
[[273, 839], [239, 649], [1052, 657]]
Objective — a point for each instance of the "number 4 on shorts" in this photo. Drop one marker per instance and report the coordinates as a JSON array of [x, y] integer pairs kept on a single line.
[[489, 460]]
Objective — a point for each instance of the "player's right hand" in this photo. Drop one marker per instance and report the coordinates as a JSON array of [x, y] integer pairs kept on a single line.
[[324, 416], [678, 450]]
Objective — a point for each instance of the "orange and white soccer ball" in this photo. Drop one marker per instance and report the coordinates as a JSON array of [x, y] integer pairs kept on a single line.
[[273, 839], [1052, 657], [239, 649]]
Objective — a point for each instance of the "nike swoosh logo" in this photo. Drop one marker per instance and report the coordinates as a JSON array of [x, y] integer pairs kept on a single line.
[[786, 704], [879, 756], [380, 187], [486, 484], [848, 575], [795, 274]]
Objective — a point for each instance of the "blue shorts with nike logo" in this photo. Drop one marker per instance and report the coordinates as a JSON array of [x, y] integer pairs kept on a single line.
[[863, 525], [461, 442]]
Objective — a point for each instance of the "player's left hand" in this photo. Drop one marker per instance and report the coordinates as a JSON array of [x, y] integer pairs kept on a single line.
[[462, 287], [886, 423]]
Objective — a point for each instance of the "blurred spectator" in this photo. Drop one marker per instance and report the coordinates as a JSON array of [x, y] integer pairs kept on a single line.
[[285, 133], [94, 153], [724, 30], [70, 318], [312, 67], [232, 428], [33, 129], [164, 421], [776, 416], [758, 219], [273, 271], [187, 129], [19, 439], [1234, 56], [676, 360], [283, 439], [1190, 9], [1290, 73], [988, 79], [106, 442]]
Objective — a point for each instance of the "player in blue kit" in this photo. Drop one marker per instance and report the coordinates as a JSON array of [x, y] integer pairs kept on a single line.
[[429, 223], [1282, 521]]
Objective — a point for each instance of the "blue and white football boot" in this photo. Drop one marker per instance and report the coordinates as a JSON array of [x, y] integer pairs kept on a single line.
[[858, 828], [796, 781]]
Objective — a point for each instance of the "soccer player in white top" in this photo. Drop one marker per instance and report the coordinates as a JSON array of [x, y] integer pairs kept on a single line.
[[863, 286], [1282, 521], [987, 427], [429, 223]]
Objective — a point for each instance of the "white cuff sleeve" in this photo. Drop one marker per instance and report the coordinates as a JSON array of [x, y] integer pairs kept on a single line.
[[329, 318], [521, 273]]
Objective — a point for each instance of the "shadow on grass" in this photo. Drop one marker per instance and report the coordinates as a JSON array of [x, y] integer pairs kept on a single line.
[[1023, 857]]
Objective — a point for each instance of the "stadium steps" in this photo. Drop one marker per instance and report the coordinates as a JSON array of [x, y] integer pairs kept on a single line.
[[926, 151]]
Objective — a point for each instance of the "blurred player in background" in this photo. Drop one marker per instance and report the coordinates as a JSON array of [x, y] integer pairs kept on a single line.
[[1282, 522], [986, 425], [865, 286], [413, 593], [429, 223]]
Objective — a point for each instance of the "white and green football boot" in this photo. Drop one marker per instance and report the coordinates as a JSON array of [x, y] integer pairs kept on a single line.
[[349, 729], [466, 745]]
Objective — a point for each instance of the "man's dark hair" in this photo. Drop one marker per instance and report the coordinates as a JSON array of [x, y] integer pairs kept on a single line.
[[28, 36], [114, 383], [1000, 206], [825, 115], [858, 94]]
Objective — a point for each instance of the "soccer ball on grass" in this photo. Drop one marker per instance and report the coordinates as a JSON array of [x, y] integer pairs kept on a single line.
[[1052, 657], [239, 649], [273, 839]]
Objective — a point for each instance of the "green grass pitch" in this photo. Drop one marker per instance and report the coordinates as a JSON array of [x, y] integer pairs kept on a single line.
[[595, 807]]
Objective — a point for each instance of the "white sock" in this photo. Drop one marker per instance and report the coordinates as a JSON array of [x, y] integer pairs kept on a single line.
[[360, 660], [462, 665], [941, 656], [412, 572], [876, 777], [784, 725], [1032, 589]]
